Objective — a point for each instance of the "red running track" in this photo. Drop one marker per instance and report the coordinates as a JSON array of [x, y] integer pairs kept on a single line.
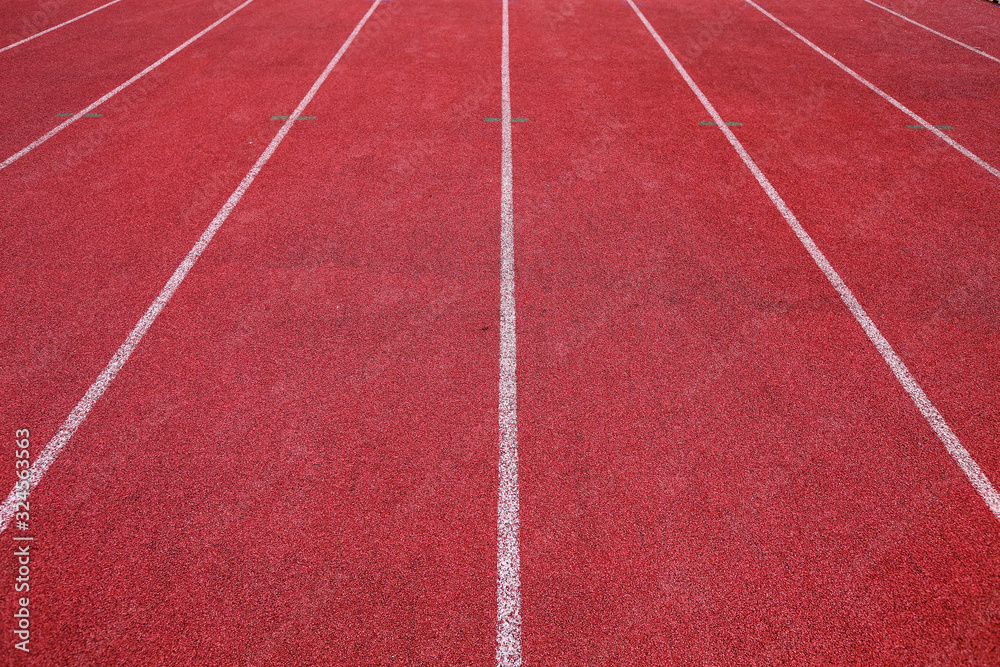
[[66, 70], [25, 19], [298, 464]]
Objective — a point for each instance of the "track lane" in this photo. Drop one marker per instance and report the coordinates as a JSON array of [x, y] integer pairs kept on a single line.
[[63, 73], [975, 23], [717, 466], [105, 220], [20, 19], [905, 220], [943, 83], [343, 474], [906, 380], [972, 49], [39, 21]]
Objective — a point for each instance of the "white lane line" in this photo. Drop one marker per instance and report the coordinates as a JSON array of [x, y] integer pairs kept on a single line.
[[83, 408], [939, 34], [93, 105], [888, 98], [508, 498], [962, 457], [56, 27]]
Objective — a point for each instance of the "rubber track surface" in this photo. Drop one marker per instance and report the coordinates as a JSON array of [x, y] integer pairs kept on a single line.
[[298, 465]]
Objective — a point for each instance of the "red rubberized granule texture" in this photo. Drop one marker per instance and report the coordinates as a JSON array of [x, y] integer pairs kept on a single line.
[[298, 464]]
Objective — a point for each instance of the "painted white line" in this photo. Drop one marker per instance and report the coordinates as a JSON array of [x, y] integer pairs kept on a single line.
[[83, 408], [93, 105], [888, 98], [56, 27], [508, 495], [962, 457], [921, 25]]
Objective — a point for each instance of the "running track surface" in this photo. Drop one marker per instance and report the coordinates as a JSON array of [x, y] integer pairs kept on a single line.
[[298, 465]]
